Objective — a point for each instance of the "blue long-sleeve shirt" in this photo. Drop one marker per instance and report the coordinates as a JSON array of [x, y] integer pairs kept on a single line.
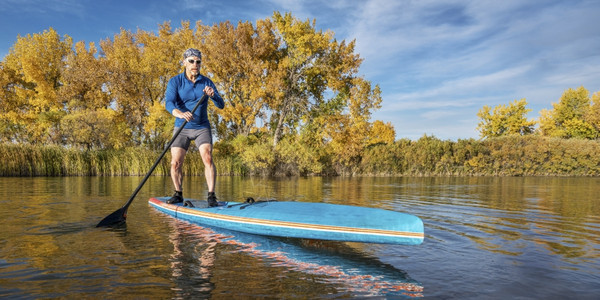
[[183, 94]]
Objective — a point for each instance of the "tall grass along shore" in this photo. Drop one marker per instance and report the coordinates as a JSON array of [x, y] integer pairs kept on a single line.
[[428, 156]]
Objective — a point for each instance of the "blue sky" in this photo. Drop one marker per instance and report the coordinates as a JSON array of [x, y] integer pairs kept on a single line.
[[438, 62]]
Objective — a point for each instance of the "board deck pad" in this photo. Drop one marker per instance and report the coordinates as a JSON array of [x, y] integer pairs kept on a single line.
[[201, 203]]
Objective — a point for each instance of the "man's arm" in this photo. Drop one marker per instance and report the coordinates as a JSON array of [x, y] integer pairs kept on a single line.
[[216, 98], [172, 102], [171, 96]]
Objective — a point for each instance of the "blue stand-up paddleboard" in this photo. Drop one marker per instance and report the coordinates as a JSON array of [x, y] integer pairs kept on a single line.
[[307, 220]]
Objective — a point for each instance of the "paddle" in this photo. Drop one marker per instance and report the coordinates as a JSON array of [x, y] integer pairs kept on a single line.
[[118, 217]]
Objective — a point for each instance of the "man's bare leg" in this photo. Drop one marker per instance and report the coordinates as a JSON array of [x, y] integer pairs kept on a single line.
[[177, 157], [210, 172]]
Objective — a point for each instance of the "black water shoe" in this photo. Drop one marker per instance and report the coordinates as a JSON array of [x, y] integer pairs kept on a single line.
[[212, 200], [177, 198]]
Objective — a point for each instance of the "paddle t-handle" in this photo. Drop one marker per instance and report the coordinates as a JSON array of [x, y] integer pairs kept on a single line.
[[119, 216]]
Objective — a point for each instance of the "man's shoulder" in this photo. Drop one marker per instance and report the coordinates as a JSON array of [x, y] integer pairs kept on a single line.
[[204, 78], [177, 78]]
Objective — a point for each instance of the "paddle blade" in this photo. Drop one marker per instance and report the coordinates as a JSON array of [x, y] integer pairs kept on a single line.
[[114, 219]]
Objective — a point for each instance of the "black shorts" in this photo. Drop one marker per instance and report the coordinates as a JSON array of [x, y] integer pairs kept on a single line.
[[185, 137]]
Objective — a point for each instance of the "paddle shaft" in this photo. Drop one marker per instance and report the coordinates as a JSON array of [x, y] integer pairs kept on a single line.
[[123, 210]]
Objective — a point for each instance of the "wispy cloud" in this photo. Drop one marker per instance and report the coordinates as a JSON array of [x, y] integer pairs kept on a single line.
[[429, 55], [72, 7]]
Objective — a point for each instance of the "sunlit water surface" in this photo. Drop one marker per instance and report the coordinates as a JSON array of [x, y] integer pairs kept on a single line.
[[499, 238]]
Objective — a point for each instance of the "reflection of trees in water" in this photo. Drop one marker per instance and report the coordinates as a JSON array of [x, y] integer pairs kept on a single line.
[[208, 263]]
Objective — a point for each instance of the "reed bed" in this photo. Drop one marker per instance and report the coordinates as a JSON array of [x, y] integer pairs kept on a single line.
[[428, 156], [31, 160]]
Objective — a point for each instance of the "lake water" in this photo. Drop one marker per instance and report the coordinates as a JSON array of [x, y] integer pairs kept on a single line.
[[486, 238]]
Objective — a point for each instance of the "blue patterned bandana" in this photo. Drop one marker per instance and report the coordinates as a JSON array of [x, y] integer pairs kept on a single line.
[[192, 52]]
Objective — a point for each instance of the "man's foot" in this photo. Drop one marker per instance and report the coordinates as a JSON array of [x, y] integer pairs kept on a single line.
[[177, 198], [212, 200]]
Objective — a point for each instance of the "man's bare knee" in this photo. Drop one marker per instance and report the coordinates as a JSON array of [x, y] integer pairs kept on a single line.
[[207, 160], [206, 154], [176, 164]]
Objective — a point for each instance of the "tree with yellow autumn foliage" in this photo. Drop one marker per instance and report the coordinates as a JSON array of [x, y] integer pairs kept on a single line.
[[240, 59], [281, 71], [32, 108]]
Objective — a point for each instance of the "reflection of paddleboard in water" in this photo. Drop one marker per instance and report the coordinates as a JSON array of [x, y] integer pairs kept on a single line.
[[335, 262], [321, 221]]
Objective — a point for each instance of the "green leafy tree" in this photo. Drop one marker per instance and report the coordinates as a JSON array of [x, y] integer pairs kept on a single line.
[[571, 117], [505, 120]]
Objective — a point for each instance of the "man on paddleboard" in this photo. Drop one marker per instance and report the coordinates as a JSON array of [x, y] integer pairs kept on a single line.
[[183, 93]]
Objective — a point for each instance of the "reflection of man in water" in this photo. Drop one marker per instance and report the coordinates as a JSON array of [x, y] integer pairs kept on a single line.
[[191, 278]]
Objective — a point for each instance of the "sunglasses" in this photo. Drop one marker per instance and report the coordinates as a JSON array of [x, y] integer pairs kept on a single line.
[[191, 61]]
